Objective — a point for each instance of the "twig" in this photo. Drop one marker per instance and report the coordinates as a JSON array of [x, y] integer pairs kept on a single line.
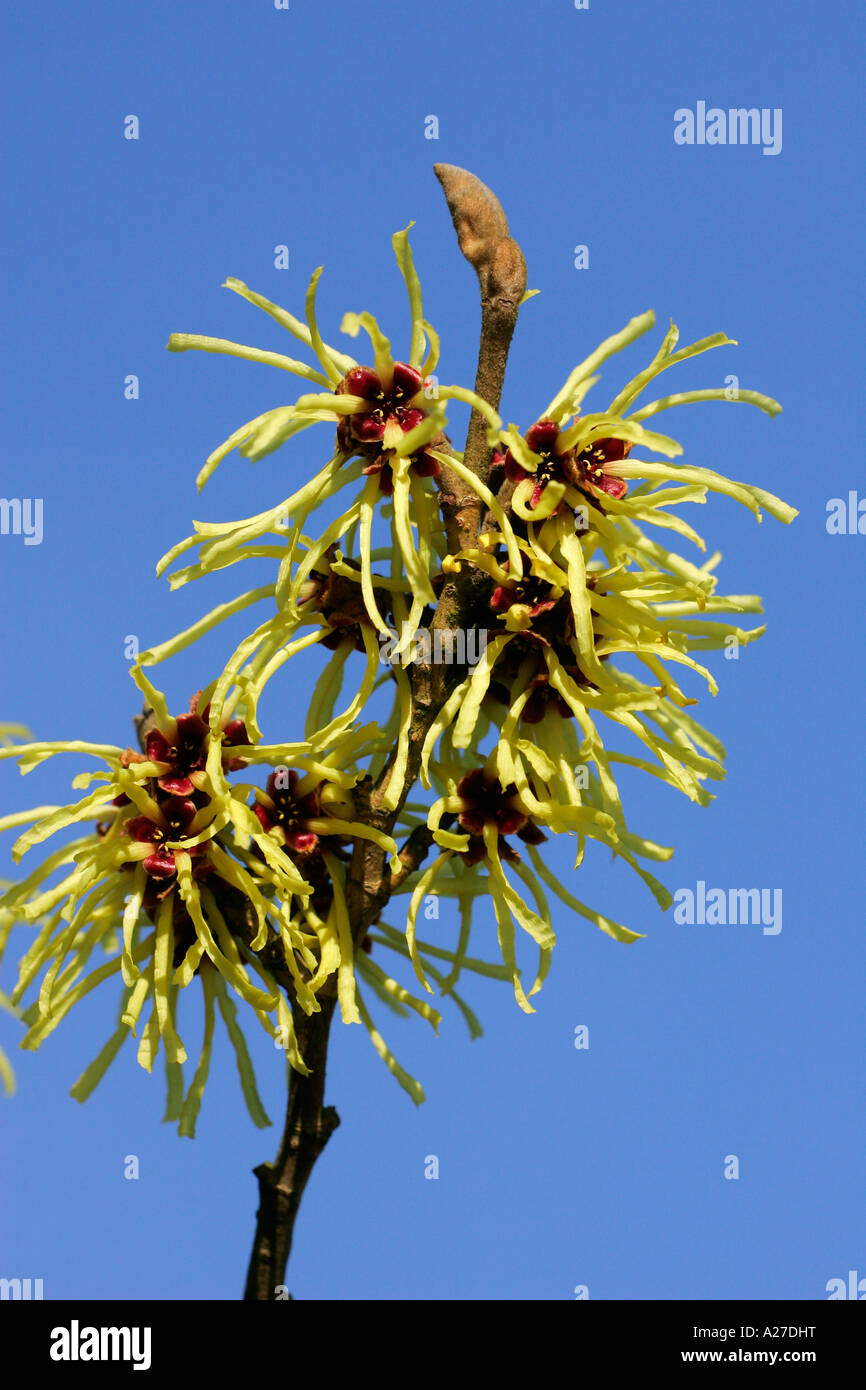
[[483, 237], [482, 232], [309, 1126]]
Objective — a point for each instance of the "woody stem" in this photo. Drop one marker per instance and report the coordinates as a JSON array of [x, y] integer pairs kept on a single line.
[[482, 232], [309, 1125]]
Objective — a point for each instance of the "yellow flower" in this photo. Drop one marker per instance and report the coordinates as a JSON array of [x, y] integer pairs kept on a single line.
[[159, 858], [387, 418]]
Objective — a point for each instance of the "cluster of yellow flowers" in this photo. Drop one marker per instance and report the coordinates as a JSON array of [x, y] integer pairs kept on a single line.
[[188, 874]]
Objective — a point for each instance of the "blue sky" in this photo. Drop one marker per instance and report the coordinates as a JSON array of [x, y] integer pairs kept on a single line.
[[558, 1167]]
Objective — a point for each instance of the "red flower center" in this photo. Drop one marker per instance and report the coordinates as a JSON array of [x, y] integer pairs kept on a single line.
[[583, 470], [187, 751], [177, 815], [280, 808], [363, 432]]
